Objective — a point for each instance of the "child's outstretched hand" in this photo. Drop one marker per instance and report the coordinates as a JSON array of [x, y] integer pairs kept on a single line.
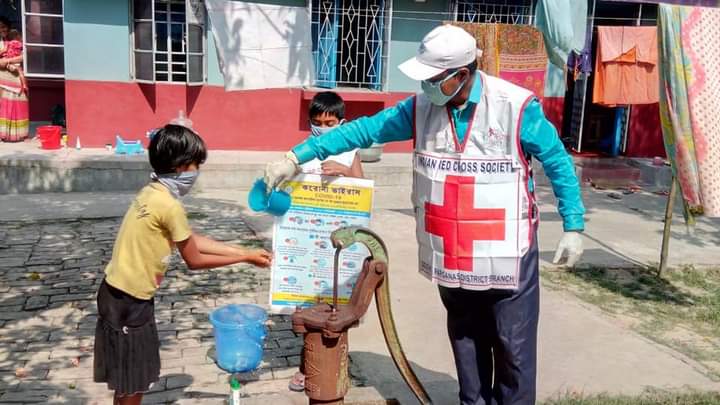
[[259, 257]]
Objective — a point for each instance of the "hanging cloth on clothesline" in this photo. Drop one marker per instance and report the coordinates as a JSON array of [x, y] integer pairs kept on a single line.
[[689, 107], [563, 25], [523, 60], [262, 46], [581, 62], [626, 66]]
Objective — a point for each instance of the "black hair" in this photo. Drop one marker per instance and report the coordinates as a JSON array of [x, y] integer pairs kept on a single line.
[[6, 21], [327, 102], [175, 146]]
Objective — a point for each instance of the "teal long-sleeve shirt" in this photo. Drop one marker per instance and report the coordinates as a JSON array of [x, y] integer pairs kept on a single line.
[[538, 137]]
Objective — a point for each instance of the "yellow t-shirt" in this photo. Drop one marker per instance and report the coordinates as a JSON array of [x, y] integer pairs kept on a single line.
[[144, 244]]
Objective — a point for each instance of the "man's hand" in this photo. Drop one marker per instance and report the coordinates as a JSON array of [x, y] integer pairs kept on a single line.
[[281, 171], [331, 168], [571, 242], [258, 257]]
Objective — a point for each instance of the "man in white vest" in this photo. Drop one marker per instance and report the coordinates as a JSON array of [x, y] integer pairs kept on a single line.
[[475, 207]]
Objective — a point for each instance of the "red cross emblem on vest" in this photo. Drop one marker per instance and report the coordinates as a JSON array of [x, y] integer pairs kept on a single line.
[[459, 223]]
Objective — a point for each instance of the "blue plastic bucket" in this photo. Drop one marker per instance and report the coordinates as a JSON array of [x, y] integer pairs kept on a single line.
[[257, 317], [239, 332]]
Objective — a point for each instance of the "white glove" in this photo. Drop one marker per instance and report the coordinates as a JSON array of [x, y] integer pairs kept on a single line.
[[281, 171], [572, 243]]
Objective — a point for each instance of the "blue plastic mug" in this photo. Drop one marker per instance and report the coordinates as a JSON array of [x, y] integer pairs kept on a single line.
[[258, 198], [277, 203]]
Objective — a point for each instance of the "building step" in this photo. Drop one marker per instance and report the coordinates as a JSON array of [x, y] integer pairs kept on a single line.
[[28, 169]]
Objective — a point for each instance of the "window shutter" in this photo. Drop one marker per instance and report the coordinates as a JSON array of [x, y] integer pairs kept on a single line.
[[195, 42], [143, 41]]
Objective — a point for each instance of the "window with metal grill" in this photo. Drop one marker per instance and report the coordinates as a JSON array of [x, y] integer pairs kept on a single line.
[[493, 11], [43, 38], [350, 39], [169, 41]]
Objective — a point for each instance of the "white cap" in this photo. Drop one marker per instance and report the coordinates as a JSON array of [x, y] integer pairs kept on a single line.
[[445, 47]]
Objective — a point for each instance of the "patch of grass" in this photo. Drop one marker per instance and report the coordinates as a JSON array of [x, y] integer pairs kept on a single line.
[[681, 309], [648, 398], [691, 277]]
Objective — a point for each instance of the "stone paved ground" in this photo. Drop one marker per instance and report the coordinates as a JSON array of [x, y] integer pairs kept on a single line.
[[49, 274]]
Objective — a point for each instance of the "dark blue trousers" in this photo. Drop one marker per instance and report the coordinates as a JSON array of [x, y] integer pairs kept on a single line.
[[494, 333]]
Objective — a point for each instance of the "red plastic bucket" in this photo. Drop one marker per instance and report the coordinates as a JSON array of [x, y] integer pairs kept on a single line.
[[49, 136]]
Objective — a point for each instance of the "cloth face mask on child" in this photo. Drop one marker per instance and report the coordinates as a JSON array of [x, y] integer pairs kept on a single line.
[[179, 184], [317, 130]]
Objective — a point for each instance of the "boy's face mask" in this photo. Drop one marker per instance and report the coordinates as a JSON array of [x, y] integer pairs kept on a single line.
[[179, 184], [316, 130]]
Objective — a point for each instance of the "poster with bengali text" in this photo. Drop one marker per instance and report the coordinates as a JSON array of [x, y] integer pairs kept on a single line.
[[302, 270]]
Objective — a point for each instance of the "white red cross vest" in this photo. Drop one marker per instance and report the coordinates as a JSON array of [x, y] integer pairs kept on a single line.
[[472, 203]]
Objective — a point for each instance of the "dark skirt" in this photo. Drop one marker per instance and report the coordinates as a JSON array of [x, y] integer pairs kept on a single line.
[[127, 346]]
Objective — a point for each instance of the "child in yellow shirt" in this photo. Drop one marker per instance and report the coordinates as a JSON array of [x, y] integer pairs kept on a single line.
[[127, 346]]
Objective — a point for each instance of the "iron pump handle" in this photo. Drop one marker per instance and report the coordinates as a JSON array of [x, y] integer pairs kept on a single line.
[[345, 237]]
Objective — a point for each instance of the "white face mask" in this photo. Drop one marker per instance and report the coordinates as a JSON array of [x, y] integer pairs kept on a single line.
[[434, 92], [179, 184], [317, 130]]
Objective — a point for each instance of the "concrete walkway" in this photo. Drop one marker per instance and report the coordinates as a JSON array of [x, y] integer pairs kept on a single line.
[[581, 349]]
